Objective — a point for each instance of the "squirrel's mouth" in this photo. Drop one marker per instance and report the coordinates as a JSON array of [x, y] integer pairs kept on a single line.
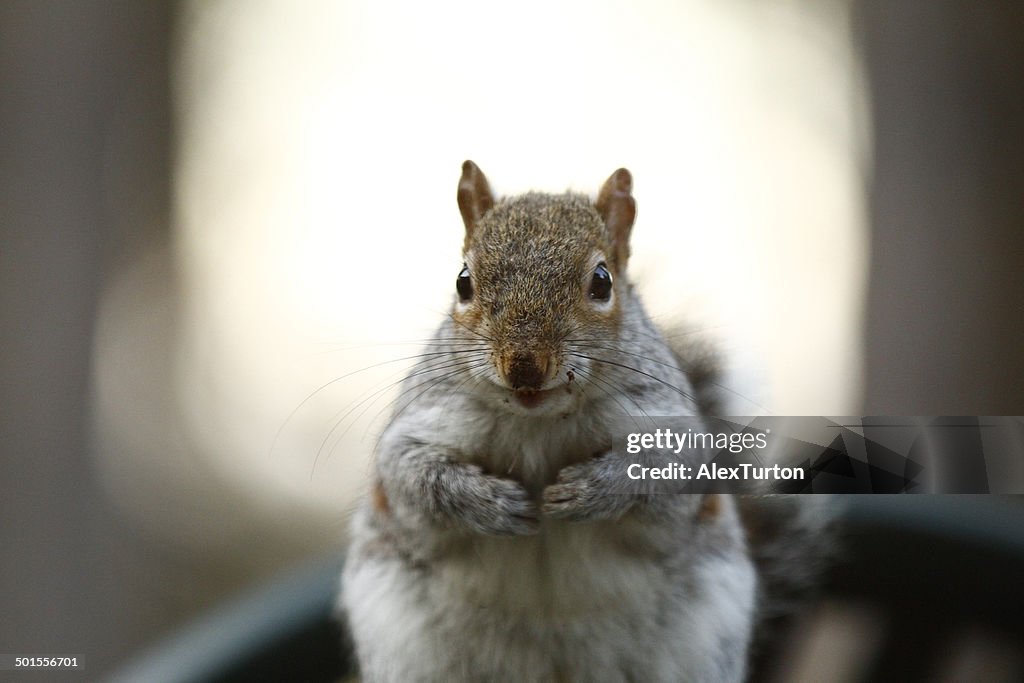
[[531, 398]]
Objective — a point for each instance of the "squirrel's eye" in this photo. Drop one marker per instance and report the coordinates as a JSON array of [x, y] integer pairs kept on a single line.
[[464, 285], [601, 283]]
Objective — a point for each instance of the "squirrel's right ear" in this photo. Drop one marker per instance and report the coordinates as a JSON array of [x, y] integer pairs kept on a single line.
[[617, 207], [475, 196]]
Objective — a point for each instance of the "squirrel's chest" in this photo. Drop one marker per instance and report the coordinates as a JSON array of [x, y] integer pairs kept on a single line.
[[533, 452]]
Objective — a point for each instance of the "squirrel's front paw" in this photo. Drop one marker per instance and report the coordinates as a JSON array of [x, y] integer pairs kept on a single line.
[[585, 492], [492, 505]]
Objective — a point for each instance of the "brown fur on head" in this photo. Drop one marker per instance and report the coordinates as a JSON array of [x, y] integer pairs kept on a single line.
[[531, 261]]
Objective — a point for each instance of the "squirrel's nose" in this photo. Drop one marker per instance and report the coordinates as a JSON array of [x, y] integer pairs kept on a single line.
[[527, 371]]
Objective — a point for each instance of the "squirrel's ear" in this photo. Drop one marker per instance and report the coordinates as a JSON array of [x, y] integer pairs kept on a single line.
[[475, 196], [617, 207]]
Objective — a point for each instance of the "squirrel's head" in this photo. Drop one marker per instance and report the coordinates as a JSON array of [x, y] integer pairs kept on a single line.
[[542, 285]]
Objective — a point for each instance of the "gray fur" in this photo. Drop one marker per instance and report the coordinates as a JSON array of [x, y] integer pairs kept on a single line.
[[501, 544]]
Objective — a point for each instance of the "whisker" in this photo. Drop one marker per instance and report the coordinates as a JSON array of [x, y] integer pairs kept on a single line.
[[608, 389], [471, 376], [303, 402], [401, 410], [431, 383], [458, 366], [636, 370], [435, 341], [420, 369], [676, 367]]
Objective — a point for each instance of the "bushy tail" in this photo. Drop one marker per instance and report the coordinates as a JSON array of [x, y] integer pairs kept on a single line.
[[791, 540], [702, 363], [791, 537]]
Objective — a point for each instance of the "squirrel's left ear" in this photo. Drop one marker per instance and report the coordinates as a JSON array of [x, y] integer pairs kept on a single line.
[[617, 207], [475, 196]]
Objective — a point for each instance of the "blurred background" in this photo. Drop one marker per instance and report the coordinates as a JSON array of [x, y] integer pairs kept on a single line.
[[225, 224]]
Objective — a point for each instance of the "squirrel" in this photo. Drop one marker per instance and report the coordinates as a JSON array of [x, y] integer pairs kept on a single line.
[[498, 542]]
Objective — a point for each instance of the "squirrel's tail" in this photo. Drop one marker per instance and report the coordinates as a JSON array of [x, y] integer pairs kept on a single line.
[[791, 540], [791, 537], [702, 364]]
